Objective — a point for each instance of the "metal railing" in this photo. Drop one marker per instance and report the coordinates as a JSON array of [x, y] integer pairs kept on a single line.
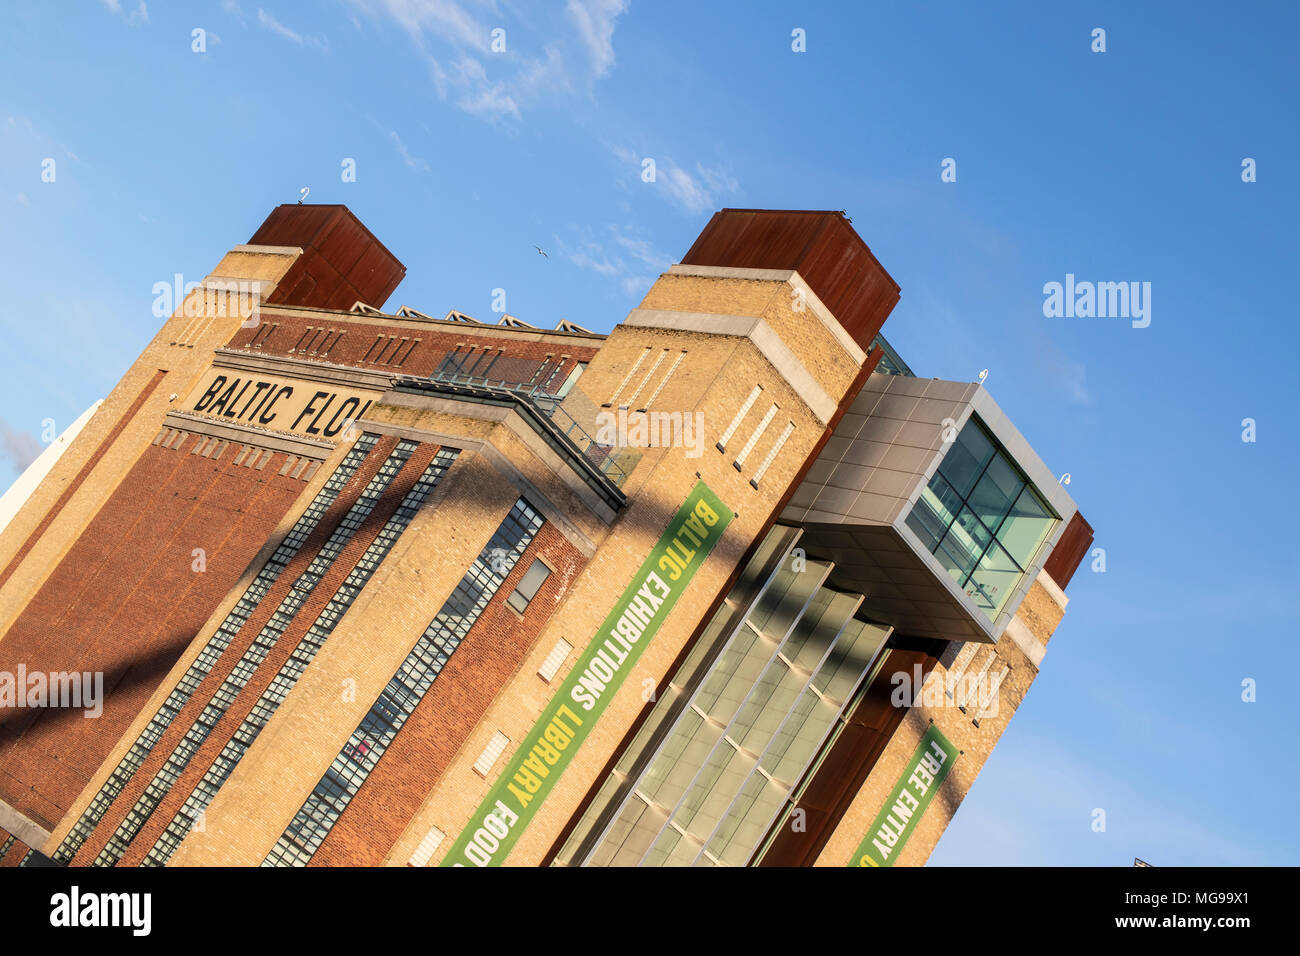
[[549, 404]]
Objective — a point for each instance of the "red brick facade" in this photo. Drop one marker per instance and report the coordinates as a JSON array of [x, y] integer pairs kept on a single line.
[[80, 477], [232, 654], [114, 607], [284, 647], [403, 349]]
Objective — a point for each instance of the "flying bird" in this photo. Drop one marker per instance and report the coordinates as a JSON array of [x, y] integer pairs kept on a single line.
[[539, 251]]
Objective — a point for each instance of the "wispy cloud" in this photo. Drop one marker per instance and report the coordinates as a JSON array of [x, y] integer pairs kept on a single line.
[[698, 191], [626, 259], [269, 22], [438, 18], [498, 82], [465, 82], [18, 448], [415, 162], [693, 192], [595, 20], [137, 16]]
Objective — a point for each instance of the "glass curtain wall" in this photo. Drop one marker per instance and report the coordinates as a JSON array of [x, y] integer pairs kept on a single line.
[[981, 518], [749, 710]]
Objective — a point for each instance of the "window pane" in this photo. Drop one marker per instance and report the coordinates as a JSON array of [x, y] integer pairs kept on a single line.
[[963, 545], [967, 457], [1024, 529], [916, 520], [993, 581], [996, 491], [934, 511], [533, 579]]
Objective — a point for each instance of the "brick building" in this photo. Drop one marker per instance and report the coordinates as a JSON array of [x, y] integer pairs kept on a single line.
[[727, 586]]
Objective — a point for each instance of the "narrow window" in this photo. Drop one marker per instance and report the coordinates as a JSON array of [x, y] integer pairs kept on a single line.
[[528, 586], [554, 660], [490, 753], [740, 417]]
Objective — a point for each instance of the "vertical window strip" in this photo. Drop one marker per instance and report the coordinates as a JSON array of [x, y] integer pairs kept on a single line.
[[663, 353], [994, 688], [740, 417], [247, 666], [628, 377], [216, 645], [470, 359], [274, 695], [361, 754], [427, 848], [772, 453], [963, 698], [8, 844], [407, 354], [546, 386], [190, 326], [491, 753], [537, 372], [753, 439], [959, 665], [330, 346], [554, 660], [488, 368], [667, 375]]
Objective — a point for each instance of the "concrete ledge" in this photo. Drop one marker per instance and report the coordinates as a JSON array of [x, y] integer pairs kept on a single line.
[[217, 283], [268, 250], [768, 343], [247, 434], [505, 467], [707, 323], [503, 415], [815, 304], [1020, 635], [1053, 589], [731, 272], [25, 830]]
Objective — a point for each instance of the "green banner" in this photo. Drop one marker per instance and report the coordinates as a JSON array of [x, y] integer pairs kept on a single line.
[[915, 789], [542, 756]]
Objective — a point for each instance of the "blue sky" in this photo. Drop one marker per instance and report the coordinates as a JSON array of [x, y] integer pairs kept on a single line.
[[1115, 166]]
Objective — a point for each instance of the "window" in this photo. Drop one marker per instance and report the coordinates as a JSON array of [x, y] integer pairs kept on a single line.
[[528, 586], [981, 518], [572, 380], [427, 848], [554, 660], [493, 750]]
